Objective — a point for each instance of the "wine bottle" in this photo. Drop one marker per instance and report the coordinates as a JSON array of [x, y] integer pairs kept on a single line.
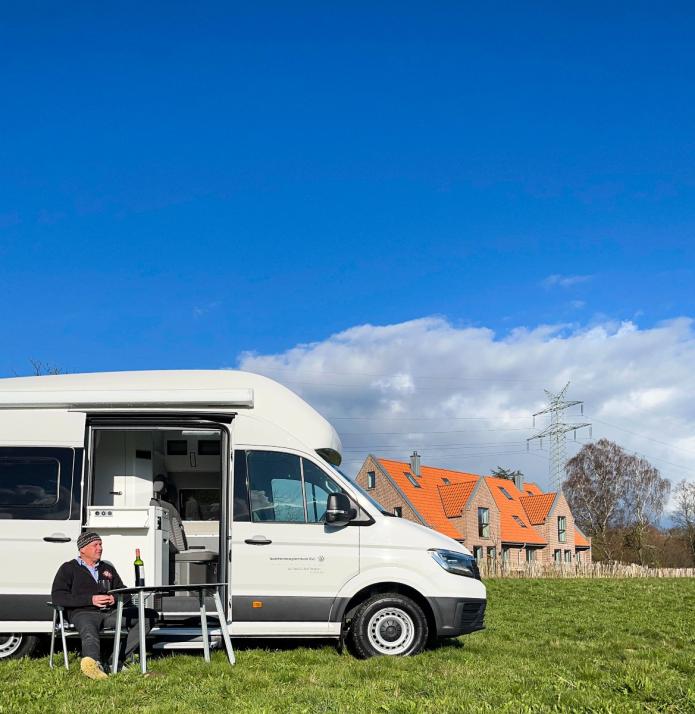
[[139, 569]]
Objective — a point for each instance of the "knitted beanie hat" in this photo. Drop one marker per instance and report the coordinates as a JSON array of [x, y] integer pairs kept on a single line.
[[86, 538]]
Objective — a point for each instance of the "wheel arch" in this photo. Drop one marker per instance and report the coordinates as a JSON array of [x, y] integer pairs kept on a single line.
[[345, 608]]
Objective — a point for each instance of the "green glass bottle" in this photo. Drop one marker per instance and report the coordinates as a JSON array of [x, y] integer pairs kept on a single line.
[[139, 569]]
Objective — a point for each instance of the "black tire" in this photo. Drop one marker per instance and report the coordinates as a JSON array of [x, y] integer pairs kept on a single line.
[[388, 624], [14, 645]]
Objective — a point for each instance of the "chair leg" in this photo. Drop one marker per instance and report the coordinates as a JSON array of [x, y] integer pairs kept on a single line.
[[53, 639], [65, 644]]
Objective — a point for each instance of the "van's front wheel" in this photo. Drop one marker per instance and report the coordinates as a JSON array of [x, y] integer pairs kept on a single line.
[[14, 645], [388, 624]]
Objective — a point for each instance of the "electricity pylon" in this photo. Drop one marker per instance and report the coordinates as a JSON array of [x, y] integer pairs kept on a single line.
[[555, 432]]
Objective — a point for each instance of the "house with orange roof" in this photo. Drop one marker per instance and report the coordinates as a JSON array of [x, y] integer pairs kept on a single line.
[[496, 518]]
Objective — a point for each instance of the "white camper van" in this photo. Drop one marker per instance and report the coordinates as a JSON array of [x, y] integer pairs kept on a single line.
[[249, 471]]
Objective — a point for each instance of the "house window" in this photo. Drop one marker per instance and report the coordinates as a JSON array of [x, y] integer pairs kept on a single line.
[[530, 555], [505, 554], [579, 557], [557, 556], [371, 479], [568, 556], [398, 511], [412, 480], [519, 521], [562, 529], [491, 553], [484, 522], [446, 481], [506, 493], [478, 552]]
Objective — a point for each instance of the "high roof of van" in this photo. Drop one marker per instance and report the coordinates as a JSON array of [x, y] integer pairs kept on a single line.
[[220, 390]]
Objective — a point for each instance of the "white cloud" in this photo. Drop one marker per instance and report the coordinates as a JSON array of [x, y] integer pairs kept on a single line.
[[464, 397], [564, 281]]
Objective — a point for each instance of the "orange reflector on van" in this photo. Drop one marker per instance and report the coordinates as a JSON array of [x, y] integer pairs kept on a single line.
[[256, 603]]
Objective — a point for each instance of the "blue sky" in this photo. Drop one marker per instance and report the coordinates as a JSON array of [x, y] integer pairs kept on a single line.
[[183, 185]]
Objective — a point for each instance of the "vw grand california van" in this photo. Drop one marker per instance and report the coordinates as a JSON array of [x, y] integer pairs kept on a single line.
[[248, 472]]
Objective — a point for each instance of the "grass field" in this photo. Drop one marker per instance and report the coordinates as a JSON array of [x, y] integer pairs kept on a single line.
[[550, 645]]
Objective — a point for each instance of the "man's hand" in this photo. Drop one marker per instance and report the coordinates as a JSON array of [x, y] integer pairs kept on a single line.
[[103, 600]]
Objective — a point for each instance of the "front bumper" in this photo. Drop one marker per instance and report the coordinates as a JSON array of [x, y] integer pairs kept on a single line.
[[456, 616]]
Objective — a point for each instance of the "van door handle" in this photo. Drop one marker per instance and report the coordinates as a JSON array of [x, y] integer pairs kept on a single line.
[[258, 540], [57, 538]]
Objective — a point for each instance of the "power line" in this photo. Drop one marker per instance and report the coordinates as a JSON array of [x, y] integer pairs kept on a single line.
[[392, 375], [644, 436]]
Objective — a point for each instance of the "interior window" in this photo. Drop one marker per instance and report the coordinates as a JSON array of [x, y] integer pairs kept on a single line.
[[200, 504], [275, 487], [317, 486]]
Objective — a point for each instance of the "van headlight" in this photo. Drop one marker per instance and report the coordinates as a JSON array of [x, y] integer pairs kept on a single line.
[[457, 563]]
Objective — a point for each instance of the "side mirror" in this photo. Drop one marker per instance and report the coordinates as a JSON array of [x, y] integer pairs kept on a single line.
[[339, 511]]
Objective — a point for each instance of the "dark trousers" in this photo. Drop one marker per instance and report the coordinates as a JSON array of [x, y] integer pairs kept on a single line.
[[90, 623]]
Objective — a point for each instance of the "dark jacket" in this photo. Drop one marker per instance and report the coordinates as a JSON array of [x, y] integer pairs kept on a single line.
[[74, 586]]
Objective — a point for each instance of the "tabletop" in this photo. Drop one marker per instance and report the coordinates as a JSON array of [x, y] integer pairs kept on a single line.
[[164, 588]]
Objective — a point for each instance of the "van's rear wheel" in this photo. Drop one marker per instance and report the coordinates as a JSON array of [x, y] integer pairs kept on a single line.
[[388, 624], [16, 644]]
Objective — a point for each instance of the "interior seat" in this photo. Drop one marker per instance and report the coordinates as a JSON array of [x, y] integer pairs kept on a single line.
[[185, 558]]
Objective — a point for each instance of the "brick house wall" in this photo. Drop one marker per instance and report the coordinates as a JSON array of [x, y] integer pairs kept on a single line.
[[384, 491], [467, 522], [549, 531]]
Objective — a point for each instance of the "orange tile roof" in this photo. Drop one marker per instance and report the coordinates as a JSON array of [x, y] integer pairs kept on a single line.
[[454, 497], [426, 499], [512, 530], [537, 507], [580, 540], [530, 489]]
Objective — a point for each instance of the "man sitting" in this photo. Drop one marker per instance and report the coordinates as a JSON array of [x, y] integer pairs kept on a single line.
[[76, 588]]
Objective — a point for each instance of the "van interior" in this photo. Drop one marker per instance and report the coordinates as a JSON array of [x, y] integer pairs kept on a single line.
[[176, 470]]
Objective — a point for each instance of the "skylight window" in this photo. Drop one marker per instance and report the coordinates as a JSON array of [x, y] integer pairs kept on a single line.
[[446, 480], [506, 493], [519, 521], [412, 480]]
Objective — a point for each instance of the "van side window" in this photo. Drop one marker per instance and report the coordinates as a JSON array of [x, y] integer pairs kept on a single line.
[[241, 489], [37, 483], [275, 487], [317, 486]]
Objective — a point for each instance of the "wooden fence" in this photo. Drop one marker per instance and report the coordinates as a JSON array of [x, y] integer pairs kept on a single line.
[[496, 569]]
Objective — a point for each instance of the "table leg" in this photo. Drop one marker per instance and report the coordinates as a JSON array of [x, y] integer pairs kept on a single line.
[[53, 637], [223, 627], [141, 623], [117, 634], [204, 625], [62, 638]]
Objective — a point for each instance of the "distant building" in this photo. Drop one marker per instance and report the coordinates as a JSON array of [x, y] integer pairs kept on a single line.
[[494, 518]]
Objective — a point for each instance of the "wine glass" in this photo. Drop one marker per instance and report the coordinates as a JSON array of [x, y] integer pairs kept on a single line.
[[104, 586]]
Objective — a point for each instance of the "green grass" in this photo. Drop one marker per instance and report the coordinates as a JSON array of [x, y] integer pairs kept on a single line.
[[550, 645]]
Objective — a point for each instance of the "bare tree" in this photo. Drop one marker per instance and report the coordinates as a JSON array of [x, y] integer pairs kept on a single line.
[[44, 368], [617, 497], [595, 489], [684, 514], [645, 498]]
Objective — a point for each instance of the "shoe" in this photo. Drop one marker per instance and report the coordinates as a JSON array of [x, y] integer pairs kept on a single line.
[[92, 669]]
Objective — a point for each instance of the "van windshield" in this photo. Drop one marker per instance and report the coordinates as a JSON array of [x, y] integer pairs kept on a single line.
[[364, 493]]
